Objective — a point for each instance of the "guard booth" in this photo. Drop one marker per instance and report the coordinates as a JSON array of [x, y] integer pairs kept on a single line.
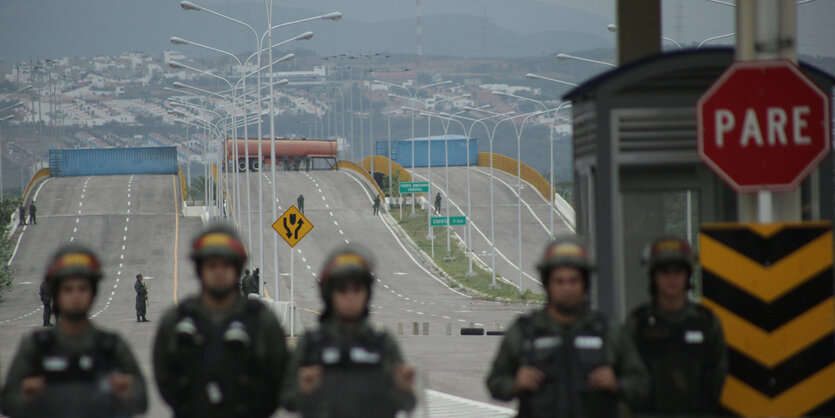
[[637, 171]]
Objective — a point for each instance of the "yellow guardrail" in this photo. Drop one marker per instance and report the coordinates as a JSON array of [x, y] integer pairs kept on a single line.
[[182, 182], [381, 165], [509, 165], [344, 164], [44, 172]]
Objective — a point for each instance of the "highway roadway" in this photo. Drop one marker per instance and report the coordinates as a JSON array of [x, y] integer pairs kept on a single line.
[[131, 221], [535, 219], [338, 203]]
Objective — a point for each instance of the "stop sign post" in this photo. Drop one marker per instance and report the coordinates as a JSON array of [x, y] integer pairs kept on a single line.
[[763, 126]]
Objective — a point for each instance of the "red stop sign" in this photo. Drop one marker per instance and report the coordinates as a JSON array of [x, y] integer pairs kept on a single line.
[[763, 125]]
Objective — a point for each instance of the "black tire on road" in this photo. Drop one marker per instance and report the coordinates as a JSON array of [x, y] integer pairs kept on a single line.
[[242, 167], [254, 164], [472, 331]]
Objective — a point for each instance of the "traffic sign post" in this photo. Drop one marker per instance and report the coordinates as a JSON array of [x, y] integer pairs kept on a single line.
[[414, 187], [292, 225], [763, 126], [439, 221]]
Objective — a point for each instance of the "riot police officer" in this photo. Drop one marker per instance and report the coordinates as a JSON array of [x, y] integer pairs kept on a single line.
[[73, 369], [217, 354], [680, 342], [345, 368], [566, 360]]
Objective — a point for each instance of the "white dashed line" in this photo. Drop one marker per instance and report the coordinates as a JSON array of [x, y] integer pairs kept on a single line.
[[341, 233]]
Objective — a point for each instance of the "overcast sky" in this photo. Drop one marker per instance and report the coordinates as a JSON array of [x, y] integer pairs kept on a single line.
[[56, 28], [686, 21]]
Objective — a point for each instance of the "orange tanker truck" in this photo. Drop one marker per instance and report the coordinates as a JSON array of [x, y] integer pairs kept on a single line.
[[288, 152]]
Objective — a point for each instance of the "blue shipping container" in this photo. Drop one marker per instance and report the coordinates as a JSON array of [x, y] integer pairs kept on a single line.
[[401, 152], [113, 161]]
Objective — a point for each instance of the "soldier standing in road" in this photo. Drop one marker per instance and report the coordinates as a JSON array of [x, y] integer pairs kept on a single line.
[[217, 354], [46, 300], [566, 360], [249, 284], [245, 282], [256, 280], [73, 369], [438, 203], [680, 342], [141, 298], [345, 368], [300, 203], [33, 211], [21, 214], [376, 204]]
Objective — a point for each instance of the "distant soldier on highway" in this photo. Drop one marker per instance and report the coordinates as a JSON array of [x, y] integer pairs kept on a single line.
[[249, 284], [141, 298], [73, 369], [438, 203], [33, 213], [21, 214], [46, 300], [345, 368], [300, 203], [256, 280], [566, 360], [680, 342], [217, 354], [244, 281], [376, 204]]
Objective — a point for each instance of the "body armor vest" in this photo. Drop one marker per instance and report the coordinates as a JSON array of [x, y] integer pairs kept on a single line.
[[219, 367], [566, 361], [76, 382], [678, 356], [354, 382]]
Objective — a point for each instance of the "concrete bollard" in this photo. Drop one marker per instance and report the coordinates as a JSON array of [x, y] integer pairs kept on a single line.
[[415, 328], [425, 328], [399, 328], [448, 328]]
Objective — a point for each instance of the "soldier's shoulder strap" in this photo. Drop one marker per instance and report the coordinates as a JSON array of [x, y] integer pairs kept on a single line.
[[105, 341], [44, 340], [599, 323], [187, 308], [527, 325]]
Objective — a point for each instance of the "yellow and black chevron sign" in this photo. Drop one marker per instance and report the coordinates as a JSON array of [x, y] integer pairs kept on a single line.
[[771, 285]]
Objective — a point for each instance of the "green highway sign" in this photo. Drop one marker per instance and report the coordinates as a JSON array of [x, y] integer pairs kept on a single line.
[[438, 221], [414, 187], [457, 220]]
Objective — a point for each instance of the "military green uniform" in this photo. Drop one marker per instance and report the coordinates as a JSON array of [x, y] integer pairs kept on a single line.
[[76, 370], [358, 378], [220, 364], [46, 300], [566, 355], [141, 300], [687, 359]]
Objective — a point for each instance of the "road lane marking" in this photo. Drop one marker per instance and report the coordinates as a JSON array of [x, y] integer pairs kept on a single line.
[[176, 236]]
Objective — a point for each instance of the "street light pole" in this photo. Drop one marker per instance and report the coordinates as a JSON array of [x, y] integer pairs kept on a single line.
[[519, 132]]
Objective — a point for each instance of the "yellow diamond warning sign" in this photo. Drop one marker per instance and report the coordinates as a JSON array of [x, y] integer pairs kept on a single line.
[[292, 226]]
